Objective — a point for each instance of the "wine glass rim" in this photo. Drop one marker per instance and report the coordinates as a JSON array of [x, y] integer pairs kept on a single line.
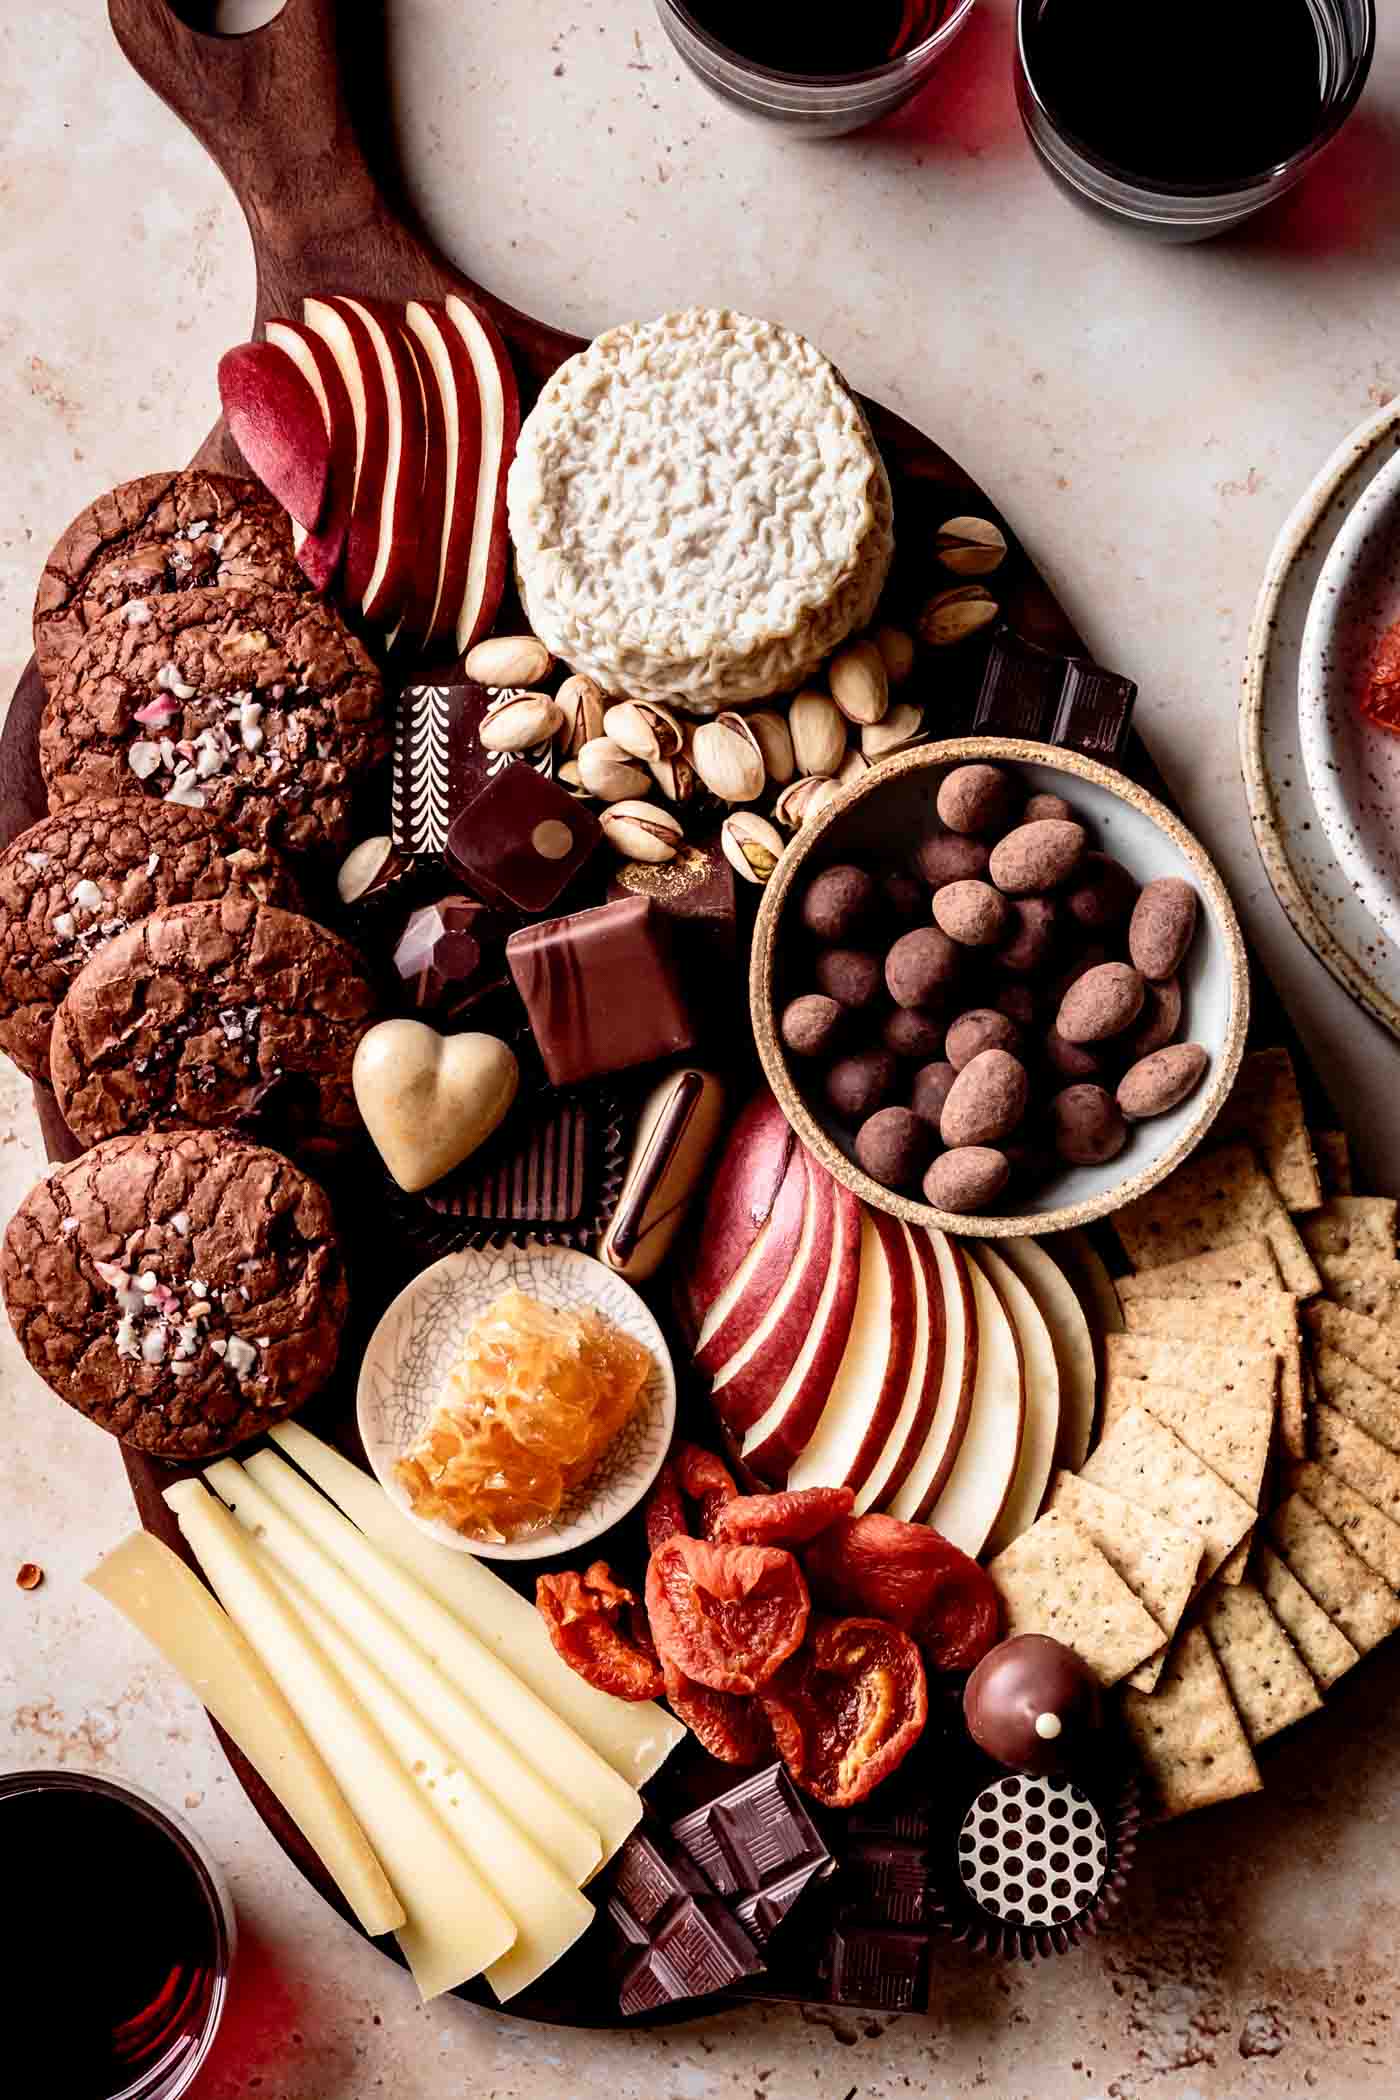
[[889, 69], [1339, 108]]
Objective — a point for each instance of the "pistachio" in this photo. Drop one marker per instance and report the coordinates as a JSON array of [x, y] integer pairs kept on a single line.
[[902, 726], [568, 776], [641, 831], [372, 865], [970, 546], [647, 731], [953, 616], [896, 652], [818, 732], [775, 742], [676, 777], [509, 659], [519, 721], [802, 799], [729, 759], [608, 772], [582, 704], [859, 686], [752, 846], [854, 766]]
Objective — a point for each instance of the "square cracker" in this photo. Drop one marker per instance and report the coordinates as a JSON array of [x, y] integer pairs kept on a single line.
[[1215, 1200], [1232, 1440], [1352, 1596], [1263, 1319], [1188, 1734], [1054, 1580], [1271, 1685], [1265, 1111], [1368, 1531], [1332, 1152], [1352, 1225], [1366, 1341], [1157, 1561], [1324, 1647], [1363, 1283], [1357, 1459], [1141, 1460], [1237, 1268], [1367, 1401]]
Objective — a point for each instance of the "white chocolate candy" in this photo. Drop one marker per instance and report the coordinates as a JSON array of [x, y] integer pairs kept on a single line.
[[429, 1100]]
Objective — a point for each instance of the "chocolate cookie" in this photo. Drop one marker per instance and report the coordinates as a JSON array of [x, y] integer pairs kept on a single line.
[[195, 1012], [78, 877], [183, 1291], [165, 532], [257, 705]]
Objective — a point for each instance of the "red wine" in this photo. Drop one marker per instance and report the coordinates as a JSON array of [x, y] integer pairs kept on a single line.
[[798, 36], [115, 1946], [1200, 92]]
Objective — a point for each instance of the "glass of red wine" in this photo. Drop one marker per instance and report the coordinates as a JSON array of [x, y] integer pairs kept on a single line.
[[1184, 120], [121, 1937], [818, 68]]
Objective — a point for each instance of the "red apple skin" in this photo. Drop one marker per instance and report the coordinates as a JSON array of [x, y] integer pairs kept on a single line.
[[390, 582], [772, 1456], [922, 1420], [449, 364], [962, 1405], [775, 1258], [740, 1400], [742, 1195], [275, 420], [489, 529], [322, 552]]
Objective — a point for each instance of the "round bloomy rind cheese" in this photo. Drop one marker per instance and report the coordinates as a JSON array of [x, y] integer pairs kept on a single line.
[[699, 510]]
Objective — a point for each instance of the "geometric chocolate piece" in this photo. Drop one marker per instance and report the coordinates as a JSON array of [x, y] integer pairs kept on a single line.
[[1033, 1851], [439, 954], [758, 1844], [522, 840], [1053, 698], [695, 894]]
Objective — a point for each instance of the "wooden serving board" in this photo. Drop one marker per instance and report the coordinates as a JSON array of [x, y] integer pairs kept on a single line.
[[273, 110]]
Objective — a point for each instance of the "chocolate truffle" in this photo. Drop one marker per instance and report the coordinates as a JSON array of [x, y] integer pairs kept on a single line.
[[837, 902], [1033, 1705]]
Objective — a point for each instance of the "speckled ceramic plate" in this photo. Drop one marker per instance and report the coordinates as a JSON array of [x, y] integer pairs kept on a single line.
[[420, 1337], [1317, 893], [1353, 767]]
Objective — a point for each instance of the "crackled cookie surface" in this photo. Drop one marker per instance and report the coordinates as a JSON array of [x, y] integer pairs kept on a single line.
[[256, 705], [197, 1012], [182, 1291]]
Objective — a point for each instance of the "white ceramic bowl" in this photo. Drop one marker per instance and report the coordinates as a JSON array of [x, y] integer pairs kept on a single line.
[[882, 816], [421, 1336], [1353, 767]]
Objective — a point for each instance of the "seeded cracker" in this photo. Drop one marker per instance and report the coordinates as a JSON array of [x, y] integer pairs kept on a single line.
[[1367, 1401], [1324, 1647], [1357, 1459], [1251, 1263], [1352, 1225], [1333, 1156], [1354, 1335], [1157, 1561], [1374, 1536], [1351, 1595], [1257, 1318], [1269, 1682], [1054, 1580], [1217, 1199], [1188, 1733], [1265, 1111], [1141, 1459], [1363, 1283], [1230, 1439]]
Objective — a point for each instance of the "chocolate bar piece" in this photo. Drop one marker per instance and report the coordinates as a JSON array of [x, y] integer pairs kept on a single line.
[[755, 1837], [440, 761], [522, 840], [695, 893], [690, 1944], [601, 990], [1053, 698], [886, 1971]]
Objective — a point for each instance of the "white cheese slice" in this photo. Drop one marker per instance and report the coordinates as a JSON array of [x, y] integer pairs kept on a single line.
[[548, 1911], [453, 1926], [636, 1738], [562, 1830], [152, 1587], [562, 1758]]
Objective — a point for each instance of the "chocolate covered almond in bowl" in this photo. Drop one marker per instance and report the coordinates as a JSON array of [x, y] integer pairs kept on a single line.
[[1039, 1033]]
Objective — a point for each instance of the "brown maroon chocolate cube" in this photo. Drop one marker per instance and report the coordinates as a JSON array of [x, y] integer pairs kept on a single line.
[[441, 955], [601, 990], [522, 840]]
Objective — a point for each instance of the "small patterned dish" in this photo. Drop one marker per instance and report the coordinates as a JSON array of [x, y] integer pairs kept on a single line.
[[420, 1336]]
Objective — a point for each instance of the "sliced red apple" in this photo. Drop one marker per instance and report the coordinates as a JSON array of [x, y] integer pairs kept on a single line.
[[346, 338], [787, 1422], [931, 1464], [869, 1387], [747, 1382], [984, 1471], [421, 596], [390, 582], [275, 420], [1041, 1380], [452, 378], [911, 1424], [1072, 1342], [750, 1293], [500, 426], [742, 1194], [321, 552]]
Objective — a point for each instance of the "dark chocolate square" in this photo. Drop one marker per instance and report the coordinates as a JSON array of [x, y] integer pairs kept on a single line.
[[887, 1971], [601, 990], [522, 840]]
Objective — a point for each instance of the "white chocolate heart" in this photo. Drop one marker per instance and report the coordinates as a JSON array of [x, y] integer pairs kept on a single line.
[[429, 1100]]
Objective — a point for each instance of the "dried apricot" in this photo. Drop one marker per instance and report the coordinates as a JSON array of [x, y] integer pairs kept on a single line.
[[848, 1709], [789, 1519], [915, 1578], [732, 1728], [601, 1631], [704, 1480], [665, 1516], [728, 1616]]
